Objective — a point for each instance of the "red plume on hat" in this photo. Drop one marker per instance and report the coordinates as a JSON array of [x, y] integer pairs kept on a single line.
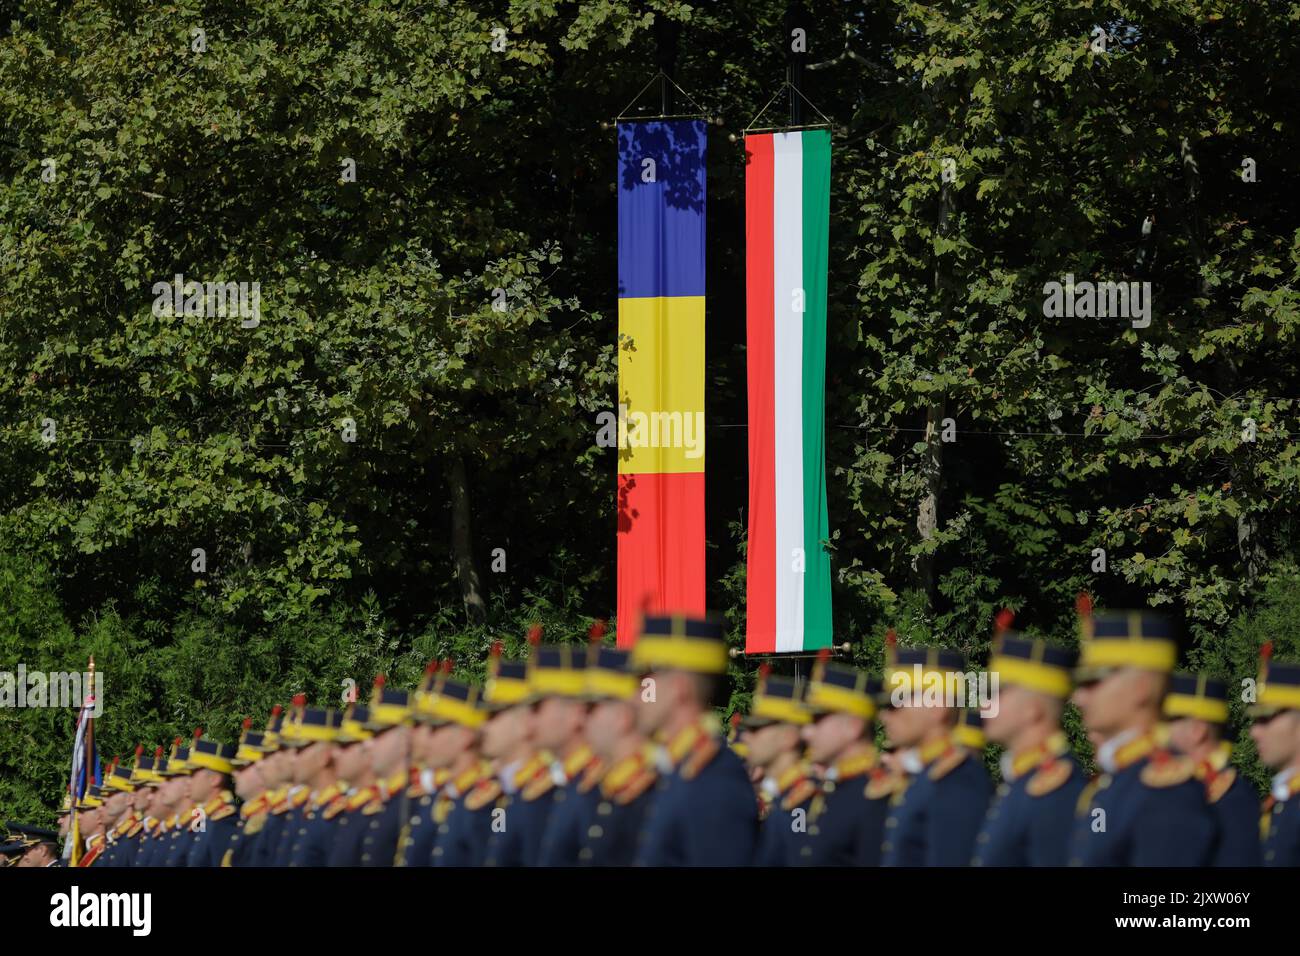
[[380, 681], [432, 667], [535, 635], [1265, 655], [157, 752], [596, 632], [198, 732], [891, 646], [447, 665], [1002, 621], [1083, 604], [496, 649], [277, 710], [248, 723], [139, 752]]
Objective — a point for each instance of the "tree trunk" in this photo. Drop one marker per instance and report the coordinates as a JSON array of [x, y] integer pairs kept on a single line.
[[462, 542]]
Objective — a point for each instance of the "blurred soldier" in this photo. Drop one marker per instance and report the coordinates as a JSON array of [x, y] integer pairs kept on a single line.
[[1276, 733], [1032, 816], [390, 719], [211, 793], [119, 817], [420, 830], [704, 811], [609, 835], [276, 771], [522, 790], [969, 732], [773, 737], [357, 773], [1196, 709], [176, 793], [463, 807], [312, 732], [1146, 808], [90, 826], [251, 789], [847, 819], [558, 679], [156, 811], [933, 821]]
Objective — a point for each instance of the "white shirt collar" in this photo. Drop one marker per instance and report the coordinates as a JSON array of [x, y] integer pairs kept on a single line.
[[1007, 763], [507, 775], [910, 761], [1107, 751], [1282, 783]]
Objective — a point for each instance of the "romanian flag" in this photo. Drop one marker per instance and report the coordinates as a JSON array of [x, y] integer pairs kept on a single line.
[[661, 199], [787, 228]]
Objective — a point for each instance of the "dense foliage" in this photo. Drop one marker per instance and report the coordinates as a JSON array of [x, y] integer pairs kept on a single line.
[[436, 333]]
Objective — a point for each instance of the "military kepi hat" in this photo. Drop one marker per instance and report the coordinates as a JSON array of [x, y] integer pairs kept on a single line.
[[681, 642], [776, 701], [838, 689], [1033, 664], [1197, 695], [1278, 686], [608, 674], [1112, 640]]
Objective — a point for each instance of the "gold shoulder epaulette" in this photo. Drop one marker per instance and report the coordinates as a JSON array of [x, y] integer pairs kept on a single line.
[[701, 754], [642, 781], [1220, 784], [1050, 777], [591, 776], [335, 807], [539, 786], [884, 783], [484, 793], [1167, 770], [798, 794], [255, 823], [947, 763]]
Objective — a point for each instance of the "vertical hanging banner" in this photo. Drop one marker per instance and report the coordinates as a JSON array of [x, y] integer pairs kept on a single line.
[[661, 196], [787, 229]]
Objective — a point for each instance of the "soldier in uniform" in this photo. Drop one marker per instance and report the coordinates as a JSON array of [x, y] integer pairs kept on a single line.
[[523, 775], [117, 813], [773, 737], [934, 820], [847, 818], [390, 719], [356, 772], [180, 837], [156, 811], [211, 791], [463, 808], [1146, 808], [311, 732], [1032, 815], [1196, 709], [31, 846], [558, 678], [251, 789], [610, 834], [276, 771], [420, 829], [1276, 733], [704, 811]]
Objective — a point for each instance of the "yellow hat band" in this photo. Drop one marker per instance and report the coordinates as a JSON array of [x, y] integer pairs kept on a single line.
[[1285, 696], [775, 708], [505, 691], [840, 700], [250, 754], [457, 711], [905, 678], [312, 733], [389, 714], [567, 683], [117, 783], [610, 684], [1201, 708], [211, 762], [144, 776], [969, 736], [1146, 655], [1032, 675], [353, 731], [676, 653]]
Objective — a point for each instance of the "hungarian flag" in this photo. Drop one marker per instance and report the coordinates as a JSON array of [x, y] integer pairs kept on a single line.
[[787, 226]]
